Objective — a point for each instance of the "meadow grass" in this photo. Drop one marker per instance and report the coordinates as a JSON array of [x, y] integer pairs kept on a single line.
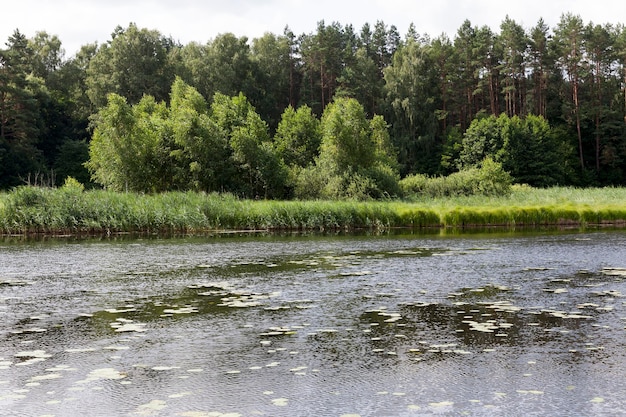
[[69, 210]]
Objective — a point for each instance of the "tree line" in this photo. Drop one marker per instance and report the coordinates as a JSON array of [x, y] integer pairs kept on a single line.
[[336, 112]]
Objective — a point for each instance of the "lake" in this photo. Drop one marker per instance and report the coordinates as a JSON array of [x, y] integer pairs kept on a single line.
[[515, 324]]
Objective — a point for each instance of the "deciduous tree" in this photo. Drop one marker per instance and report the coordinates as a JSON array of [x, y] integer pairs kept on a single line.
[[132, 64]]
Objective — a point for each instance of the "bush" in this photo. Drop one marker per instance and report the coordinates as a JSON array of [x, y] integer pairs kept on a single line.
[[493, 179], [490, 179], [386, 180], [413, 184], [72, 185], [315, 182], [309, 183], [356, 187]]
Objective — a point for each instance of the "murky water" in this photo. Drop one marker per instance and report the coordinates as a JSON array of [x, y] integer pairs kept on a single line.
[[326, 326]]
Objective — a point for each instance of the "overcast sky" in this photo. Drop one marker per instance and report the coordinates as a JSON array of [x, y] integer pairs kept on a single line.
[[78, 22]]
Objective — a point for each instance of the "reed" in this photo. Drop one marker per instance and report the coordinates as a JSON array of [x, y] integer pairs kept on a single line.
[[73, 210]]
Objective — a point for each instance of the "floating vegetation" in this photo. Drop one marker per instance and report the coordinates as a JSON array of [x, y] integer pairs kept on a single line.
[[164, 368], [299, 370], [180, 310], [488, 327], [607, 293], [409, 330], [241, 299], [123, 325], [151, 408], [33, 354], [212, 288], [277, 331], [61, 368], [393, 317], [14, 283], [487, 291], [276, 308], [80, 350], [127, 309], [29, 330], [103, 373], [45, 377], [207, 414], [615, 272], [441, 404], [240, 302], [556, 290], [355, 273], [280, 402]]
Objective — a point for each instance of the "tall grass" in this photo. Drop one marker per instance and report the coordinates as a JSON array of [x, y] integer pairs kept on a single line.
[[70, 209]]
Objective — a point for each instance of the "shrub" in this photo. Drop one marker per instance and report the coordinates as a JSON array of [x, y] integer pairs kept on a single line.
[[489, 179], [493, 179], [309, 183], [72, 185], [413, 184]]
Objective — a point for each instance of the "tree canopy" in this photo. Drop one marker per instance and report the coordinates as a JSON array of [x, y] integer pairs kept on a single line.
[[267, 117]]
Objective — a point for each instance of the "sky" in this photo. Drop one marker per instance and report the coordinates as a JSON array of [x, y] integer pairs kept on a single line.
[[79, 22]]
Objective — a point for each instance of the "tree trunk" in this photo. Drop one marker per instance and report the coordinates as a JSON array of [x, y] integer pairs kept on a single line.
[[322, 84], [598, 112], [578, 130]]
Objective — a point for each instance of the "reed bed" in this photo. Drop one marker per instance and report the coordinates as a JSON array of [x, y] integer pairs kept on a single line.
[[70, 210]]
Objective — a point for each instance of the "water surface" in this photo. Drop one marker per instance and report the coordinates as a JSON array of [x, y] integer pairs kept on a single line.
[[395, 325]]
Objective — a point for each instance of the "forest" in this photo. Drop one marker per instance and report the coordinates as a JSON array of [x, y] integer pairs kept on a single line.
[[337, 113]]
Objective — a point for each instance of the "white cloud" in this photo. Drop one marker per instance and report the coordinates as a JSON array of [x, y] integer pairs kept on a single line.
[[78, 22]]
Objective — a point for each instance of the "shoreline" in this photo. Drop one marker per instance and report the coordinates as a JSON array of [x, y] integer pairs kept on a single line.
[[57, 212]]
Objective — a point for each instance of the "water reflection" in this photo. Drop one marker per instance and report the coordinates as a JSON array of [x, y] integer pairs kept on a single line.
[[369, 325]]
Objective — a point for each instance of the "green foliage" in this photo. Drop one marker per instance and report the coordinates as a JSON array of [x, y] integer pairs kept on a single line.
[[346, 137], [263, 173], [377, 182], [126, 152], [489, 179], [356, 159], [384, 152], [70, 209], [275, 75], [134, 63], [200, 149], [451, 151], [310, 183], [442, 99], [527, 148], [386, 181], [484, 137], [410, 86], [150, 147], [222, 66], [72, 185], [20, 113], [493, 180], [298, 137]]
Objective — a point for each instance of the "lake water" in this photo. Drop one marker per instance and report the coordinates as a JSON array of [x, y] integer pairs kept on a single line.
[[394, 325]]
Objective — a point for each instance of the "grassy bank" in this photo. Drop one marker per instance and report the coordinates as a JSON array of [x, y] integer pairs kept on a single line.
[[72, 210]]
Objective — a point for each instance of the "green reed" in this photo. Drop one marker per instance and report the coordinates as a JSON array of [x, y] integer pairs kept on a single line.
[[73, 210]]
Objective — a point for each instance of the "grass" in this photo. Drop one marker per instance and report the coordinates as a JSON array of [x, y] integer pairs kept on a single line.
[[70, 210]]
